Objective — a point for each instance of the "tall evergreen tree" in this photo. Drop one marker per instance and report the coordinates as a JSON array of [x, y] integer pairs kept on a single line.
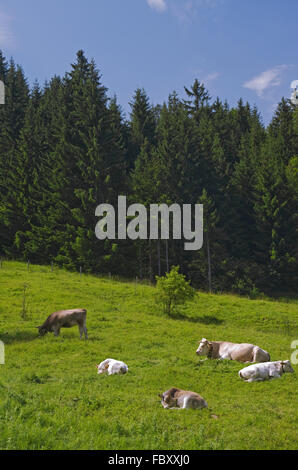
[[12, 116], [275, 204], [142, 123], [198, 103], [91, 164]]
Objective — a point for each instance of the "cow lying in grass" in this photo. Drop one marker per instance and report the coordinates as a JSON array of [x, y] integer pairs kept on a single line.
[[65, 319], [111, 366], [243, 352], [265, 371], [176, 398]]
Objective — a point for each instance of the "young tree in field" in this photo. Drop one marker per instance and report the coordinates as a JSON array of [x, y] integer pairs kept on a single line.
[[173, 290]]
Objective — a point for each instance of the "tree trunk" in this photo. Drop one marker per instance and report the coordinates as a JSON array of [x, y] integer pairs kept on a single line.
[[150, 262], [140, 261], [158, 255], [209, 263], [167, 256]]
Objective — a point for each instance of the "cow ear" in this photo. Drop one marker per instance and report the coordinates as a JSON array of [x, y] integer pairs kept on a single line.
[[160, 395]]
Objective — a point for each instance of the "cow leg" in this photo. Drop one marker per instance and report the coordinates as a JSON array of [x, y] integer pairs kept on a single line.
[[81, 330], [257, 379], [185, 402], [85, 330], [274, 375], [56, 331]]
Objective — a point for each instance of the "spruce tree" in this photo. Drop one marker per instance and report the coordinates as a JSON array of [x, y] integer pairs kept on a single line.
[[12, 116]]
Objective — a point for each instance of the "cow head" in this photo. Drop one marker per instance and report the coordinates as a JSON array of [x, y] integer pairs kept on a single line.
[[286, 366], [168, 398], [102, 367], [42, 330], [204, 347]]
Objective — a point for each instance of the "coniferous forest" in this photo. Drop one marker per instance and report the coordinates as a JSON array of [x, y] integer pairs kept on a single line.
[[67, 147]]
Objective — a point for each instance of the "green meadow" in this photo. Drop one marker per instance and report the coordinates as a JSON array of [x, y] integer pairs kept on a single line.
[[52, 398]]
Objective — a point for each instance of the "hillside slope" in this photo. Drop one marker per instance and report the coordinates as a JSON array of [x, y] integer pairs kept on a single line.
[[52, 398]]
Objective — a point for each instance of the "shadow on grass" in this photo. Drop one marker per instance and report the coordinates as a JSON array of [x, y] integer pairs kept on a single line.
[[26, 336], [205, 319], [18, 337]]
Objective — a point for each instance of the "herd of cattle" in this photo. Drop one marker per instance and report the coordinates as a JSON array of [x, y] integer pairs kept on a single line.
[[263, 369]]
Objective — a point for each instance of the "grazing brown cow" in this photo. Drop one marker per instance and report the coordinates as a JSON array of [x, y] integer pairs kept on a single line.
[[65, 319], [243, 352]]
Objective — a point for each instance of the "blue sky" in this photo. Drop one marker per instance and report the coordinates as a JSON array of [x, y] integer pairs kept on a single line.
[[238, 48]]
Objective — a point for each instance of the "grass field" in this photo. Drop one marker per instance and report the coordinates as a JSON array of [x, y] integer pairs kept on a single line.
[[52, 398]]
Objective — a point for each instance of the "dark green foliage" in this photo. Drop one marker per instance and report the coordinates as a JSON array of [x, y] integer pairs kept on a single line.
[[66, 147], [142, 124], [12, 118]]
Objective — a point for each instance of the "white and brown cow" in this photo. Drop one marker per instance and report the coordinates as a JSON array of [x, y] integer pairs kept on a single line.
[[177, 398], [111, 366], [265, 371], [65, 319], [243, 352]]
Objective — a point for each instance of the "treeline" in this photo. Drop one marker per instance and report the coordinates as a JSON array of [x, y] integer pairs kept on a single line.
[[66, 147]]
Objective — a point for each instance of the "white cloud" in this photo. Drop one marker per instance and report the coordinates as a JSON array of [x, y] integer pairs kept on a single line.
[[159, 5], [6, 35], [268, 79], [186, 11], [211, 76]]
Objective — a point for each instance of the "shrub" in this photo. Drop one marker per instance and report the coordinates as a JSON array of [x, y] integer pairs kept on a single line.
[[173, 290]]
